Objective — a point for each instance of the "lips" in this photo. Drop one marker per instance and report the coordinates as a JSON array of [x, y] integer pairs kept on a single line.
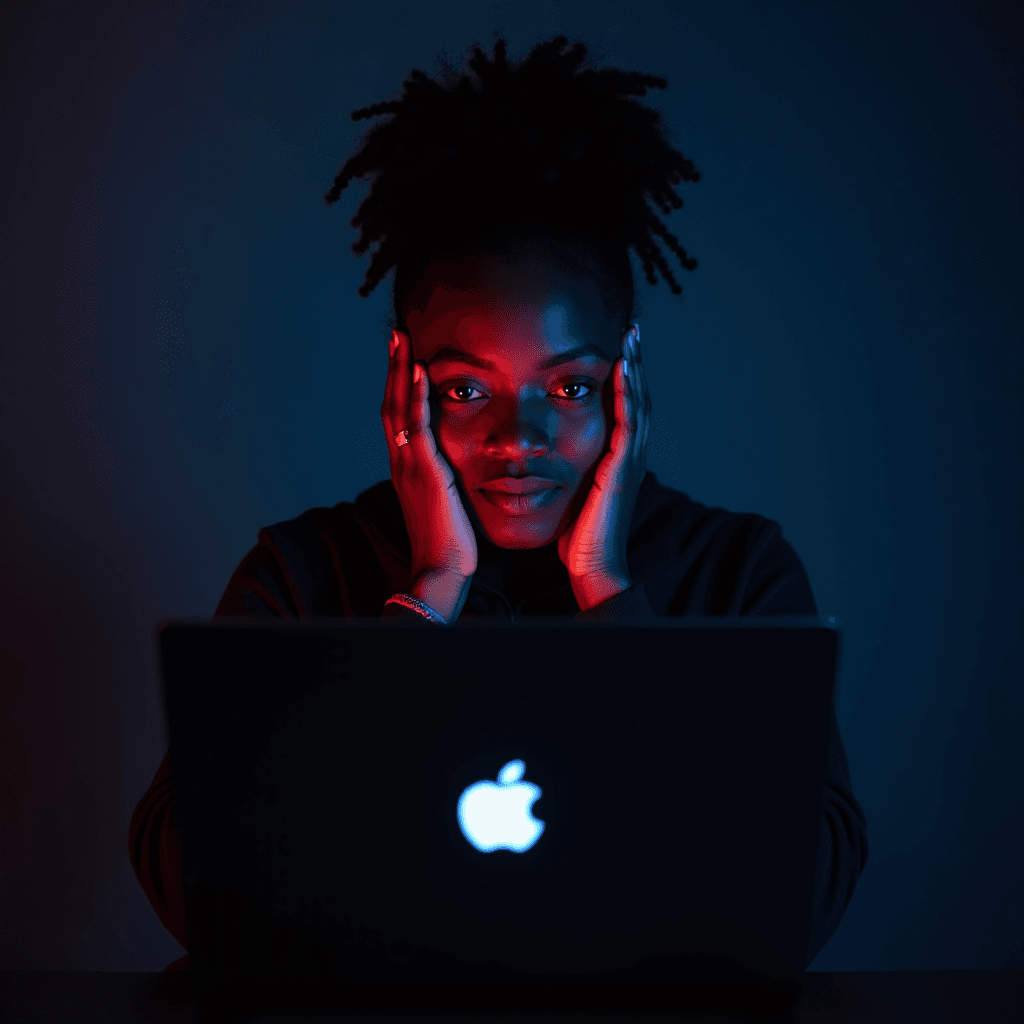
[[520, 496], [520, 504], [519, 484]]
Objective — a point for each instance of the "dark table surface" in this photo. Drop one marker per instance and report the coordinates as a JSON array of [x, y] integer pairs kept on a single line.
[[906, 997]]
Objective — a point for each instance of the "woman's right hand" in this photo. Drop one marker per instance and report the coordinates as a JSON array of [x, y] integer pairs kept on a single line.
[[444, 549]]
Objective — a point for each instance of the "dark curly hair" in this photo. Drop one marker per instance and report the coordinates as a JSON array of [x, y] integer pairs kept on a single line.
[[544, 149]]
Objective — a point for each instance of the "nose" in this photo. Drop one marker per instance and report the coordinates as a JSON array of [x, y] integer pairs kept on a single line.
[[519, 433]]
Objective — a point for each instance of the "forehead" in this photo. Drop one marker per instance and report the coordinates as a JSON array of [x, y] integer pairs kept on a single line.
[[522, 310]]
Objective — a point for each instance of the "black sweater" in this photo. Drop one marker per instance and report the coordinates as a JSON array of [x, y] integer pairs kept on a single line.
[[684, 559]]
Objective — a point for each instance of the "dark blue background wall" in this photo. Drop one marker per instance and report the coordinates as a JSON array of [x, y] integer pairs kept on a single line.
[[185, 359]]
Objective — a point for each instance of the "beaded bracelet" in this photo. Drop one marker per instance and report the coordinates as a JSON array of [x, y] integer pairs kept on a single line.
[[418, 606]]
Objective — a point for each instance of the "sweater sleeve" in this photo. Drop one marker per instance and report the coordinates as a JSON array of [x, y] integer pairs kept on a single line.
[[263, 585], [258, 587], [283, 576], [155, 854], [842, 846], [770, 579], [778, 585]]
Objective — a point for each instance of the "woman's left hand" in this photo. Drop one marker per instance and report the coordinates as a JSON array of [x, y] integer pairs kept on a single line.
[[593, 549]]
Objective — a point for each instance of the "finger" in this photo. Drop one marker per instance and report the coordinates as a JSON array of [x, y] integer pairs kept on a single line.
[[610, 468], [633, 390], [418, 419], [643, 400], [393, 402], [421, 438], [622, 432], [402, 380], [639, 394]]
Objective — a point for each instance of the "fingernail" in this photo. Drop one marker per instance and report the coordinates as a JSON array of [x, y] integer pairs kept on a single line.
[[393, 344], [625, 367], [417, 373]]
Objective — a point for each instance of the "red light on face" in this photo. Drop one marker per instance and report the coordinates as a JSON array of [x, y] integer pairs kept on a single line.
[[519, 358]]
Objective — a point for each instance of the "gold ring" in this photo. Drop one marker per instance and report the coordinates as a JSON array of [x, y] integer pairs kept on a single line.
[[402, 437]]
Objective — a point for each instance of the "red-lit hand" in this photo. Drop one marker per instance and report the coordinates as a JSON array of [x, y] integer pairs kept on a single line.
[[444, 554], [593, 549]]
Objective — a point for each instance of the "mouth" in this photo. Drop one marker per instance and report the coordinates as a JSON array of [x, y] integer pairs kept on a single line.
[[519, 496]]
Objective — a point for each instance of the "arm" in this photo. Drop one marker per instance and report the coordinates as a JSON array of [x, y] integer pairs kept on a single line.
[[842, 846], [260, 586], [778, 585], [771, 580], [285, 575], [155, 854]]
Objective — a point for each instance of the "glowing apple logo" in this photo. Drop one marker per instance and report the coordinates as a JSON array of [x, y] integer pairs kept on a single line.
[[496, 816]]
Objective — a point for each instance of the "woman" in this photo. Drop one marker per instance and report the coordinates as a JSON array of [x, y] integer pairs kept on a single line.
[[516, 409]]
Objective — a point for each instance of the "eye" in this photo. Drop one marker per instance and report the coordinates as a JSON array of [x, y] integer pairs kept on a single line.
[[462, 393], [574, 391]]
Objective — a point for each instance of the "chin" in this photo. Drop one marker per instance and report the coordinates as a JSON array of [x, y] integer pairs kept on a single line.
[[518, 543], [517, 532], [515, 536]]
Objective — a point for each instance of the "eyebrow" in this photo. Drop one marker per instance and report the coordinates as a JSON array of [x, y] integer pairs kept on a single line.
[[455, 355]]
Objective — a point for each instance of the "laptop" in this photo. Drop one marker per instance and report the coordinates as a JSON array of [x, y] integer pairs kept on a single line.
[[387, 815]]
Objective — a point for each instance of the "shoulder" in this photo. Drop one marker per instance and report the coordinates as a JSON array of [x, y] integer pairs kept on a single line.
[[704, 560], [328, 560], [374, 517], [669, 519]]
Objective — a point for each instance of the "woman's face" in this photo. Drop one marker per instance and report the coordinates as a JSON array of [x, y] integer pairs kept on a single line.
[[519, 358]]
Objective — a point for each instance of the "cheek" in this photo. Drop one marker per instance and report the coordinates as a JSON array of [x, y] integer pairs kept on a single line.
[[583, 440], [456, 439]]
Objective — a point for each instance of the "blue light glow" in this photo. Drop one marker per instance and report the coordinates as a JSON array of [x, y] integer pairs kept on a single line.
[[496, 816]]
